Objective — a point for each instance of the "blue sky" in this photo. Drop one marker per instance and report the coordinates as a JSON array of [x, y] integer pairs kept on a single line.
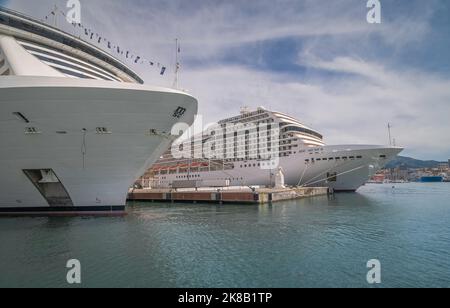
[[318, 60]]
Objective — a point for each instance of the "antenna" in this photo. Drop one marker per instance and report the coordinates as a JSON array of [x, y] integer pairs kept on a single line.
[[55, 14], [177, 63], [390, 137]]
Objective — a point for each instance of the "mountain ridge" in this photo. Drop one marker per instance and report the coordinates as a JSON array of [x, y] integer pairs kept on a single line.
[[412, 163]]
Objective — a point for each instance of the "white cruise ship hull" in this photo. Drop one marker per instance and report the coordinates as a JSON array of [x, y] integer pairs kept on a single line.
[[94, 169], [346, 168], [355, 166]]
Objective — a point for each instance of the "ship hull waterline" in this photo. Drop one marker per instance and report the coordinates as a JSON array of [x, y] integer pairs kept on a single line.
[[355, 165], [95, 168]]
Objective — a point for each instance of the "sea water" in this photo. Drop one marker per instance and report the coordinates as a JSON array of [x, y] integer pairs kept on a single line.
[[315, 242]]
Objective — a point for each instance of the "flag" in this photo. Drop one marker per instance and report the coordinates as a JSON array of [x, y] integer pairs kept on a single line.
[[137, 59], [163, 70]]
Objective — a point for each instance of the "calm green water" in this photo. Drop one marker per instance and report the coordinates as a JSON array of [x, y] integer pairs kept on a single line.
[[319, 242]]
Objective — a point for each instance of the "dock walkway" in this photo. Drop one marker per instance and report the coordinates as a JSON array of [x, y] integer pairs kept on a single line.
[[226, 195]]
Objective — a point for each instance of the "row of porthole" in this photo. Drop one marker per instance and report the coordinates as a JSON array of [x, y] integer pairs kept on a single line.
[[333, 158], [34, 130], [224, 179], [256, 165], [188, 176], [198, 176]]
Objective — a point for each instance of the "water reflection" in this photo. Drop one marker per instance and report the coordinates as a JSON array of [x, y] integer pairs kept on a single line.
[[322, 241]]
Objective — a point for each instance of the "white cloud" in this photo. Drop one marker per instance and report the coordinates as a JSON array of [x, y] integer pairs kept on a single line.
[[353, 106], [354, 109]]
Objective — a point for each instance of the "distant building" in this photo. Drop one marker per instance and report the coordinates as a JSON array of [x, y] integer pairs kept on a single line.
[[443, 166]]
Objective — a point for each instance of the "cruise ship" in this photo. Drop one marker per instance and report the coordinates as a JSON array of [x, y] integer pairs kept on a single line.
[[260, 145], [77, 126]]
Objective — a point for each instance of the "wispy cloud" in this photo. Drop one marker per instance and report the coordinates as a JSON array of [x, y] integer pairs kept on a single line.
[[349, 110], [348, 81]]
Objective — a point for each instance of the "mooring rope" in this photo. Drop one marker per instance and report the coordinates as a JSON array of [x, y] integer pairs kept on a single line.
[[84, 147]]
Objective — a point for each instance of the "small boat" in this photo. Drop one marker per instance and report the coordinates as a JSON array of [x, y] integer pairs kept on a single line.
[[431, 179]]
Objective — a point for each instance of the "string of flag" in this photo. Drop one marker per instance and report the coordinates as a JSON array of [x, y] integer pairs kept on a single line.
[[89, 34]]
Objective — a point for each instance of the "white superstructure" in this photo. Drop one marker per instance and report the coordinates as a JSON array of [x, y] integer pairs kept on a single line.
[[77, 126], [304, 158]]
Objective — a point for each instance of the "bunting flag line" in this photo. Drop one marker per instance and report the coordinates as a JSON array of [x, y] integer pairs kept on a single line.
[[99, 39]]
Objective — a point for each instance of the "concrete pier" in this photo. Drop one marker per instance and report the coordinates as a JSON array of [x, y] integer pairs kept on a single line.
[[228, 195]]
